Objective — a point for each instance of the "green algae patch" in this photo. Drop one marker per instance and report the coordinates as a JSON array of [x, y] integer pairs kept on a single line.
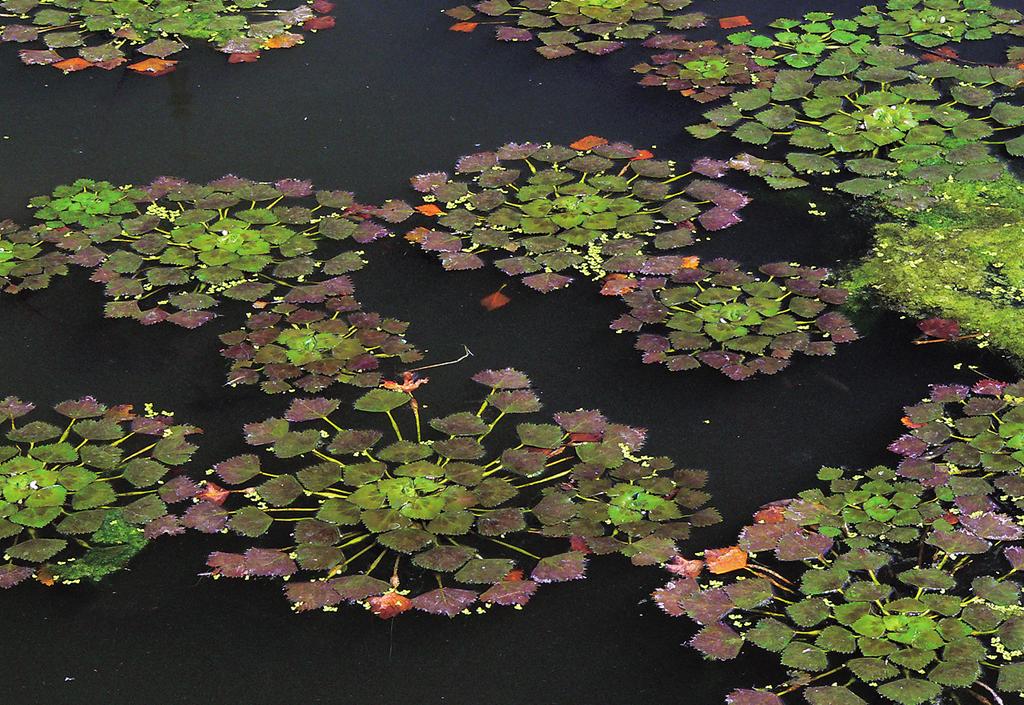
[[962, 259]]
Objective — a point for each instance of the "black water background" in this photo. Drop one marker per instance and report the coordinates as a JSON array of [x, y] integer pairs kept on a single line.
[[387, 94]]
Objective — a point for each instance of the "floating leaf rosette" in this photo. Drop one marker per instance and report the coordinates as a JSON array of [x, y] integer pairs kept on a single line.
[[703, 71], [426, 519], [738, 323], [886, 587], [27, 260], [955, 252], [314, 337], [803, 43], [564, 27], [100, 34], [171, 251], [590, 208], [879, 114], [80, 500], [960, 430], [932, 23]]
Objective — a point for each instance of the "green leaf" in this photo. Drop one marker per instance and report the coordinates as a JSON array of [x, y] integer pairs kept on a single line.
[[753, 132], [910, 691], [805, 657], [381, 400], [1011, 678], [771, 634], [959, 674], [36, 550]]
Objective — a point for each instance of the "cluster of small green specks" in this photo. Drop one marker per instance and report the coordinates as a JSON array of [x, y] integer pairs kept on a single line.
[[958, 258]]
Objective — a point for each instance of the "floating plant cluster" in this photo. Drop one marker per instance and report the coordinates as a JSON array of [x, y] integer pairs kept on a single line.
[[879, 114], [716, 315], [591, 208], [79, 500], [564, 27], [172, 251], [399, 511], [141, 35], [376, 501], [704, 71], [315, 337], [896, 585], [602, 26]]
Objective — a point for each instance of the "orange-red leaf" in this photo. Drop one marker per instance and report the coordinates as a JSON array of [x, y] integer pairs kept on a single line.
[[588, 142], [153, 66], [941, 54], [429, 209], [463, 27], [121, 412], [910, 424], [642, 154], [618, 284], [317, 23], [578, 543], [734, 21], [285, 40], [243, 57], [417, 234], [691, 262], [409, 384], [494, 300], [69, 65], [513, 576], [389, 605], [44, 576], [770, 515], [725, 560], [213, 492], [684, 568]]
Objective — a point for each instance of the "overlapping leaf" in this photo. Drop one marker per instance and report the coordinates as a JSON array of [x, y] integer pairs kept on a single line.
[[879, 114], [899, 584], [704, 70]]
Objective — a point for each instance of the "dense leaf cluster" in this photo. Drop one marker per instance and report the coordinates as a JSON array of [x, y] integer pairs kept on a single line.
[[394, 504], [592, 208], [104, 34], [716, 315], [172, 251], [899, 584], [80, 500]]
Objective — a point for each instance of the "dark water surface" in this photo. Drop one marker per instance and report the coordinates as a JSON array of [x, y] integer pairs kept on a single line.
[[387, 94]]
